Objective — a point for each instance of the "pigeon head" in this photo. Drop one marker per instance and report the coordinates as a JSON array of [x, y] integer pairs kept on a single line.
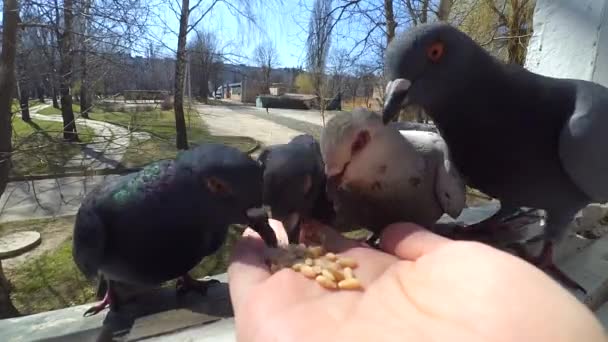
[[427, 65], [291, 182], [232, 185], [352, 147]]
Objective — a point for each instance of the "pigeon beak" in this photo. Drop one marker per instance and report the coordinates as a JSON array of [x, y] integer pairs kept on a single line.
[[291, 222], [258, 221], [396, 92]]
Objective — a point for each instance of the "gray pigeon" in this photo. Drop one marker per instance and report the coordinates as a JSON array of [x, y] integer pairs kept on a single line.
[[294, 184], [522, 138], [378, 175]]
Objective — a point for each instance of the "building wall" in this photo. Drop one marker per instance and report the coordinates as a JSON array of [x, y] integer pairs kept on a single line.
[[570, 40]]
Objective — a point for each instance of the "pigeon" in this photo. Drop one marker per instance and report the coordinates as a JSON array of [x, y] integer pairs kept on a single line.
[[378, 175], [157, 224], [294, 184], [525, 139]]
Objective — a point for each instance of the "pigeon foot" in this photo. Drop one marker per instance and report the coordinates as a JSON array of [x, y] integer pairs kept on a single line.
[[108, 301], [186, 284], [493, 226]]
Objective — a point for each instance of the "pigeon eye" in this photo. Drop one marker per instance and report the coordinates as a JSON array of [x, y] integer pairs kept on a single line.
[[435, 51], [360, 142]]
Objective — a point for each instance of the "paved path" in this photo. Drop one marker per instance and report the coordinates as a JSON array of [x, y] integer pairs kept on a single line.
[[62, 196], [277, 127]]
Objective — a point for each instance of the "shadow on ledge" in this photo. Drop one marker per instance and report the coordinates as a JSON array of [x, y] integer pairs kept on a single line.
[[156, 313]]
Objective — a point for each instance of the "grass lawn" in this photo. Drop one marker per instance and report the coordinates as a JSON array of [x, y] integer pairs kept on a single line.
[[39, 148], [51, 280], [16, 107], [161, 124]]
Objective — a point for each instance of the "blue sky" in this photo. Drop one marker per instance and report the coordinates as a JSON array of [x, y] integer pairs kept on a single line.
[[284, 26]]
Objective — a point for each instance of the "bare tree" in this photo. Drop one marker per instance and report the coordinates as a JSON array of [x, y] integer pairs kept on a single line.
[[66, 52], [503, 27], [339, 63], [317, 46], [240, 9], [206, 61], [84, 22], [10, 19], [266, 57], [389, 15]]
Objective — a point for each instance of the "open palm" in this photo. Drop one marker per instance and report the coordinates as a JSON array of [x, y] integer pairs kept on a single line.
[[422, 288]]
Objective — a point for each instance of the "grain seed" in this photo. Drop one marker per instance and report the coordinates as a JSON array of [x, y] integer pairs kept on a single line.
[[347, 262], [349, 284], [325, 282], [330, 256], [348, 273], [316, 251], [327, 274], [317, 269], [307, 271]]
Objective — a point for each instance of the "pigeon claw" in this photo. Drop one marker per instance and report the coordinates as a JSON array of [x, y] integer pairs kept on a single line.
[[187, 284], [107, 301], [492, 226]]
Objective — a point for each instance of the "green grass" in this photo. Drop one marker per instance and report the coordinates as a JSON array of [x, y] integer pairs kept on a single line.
[[38, 146], [161, 125], [52, 280], [16, 107]]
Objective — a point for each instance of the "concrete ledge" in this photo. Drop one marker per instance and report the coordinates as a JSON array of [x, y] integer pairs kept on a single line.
[[155, 314]]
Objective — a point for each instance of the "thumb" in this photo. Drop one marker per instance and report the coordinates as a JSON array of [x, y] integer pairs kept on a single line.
[[410, 241]]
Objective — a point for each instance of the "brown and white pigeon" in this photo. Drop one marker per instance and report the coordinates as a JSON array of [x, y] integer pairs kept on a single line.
[[378, 175]]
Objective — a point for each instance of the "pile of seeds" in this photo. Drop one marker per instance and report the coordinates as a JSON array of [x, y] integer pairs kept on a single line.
[[328, 269]]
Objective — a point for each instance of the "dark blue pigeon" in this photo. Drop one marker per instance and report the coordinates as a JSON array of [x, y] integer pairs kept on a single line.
[[157, 224], [523, 138], [294, 184]]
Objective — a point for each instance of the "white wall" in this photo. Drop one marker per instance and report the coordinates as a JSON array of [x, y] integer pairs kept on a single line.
[[570, 40]]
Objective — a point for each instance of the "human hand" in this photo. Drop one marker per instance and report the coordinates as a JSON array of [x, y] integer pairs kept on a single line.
[[424, 288]]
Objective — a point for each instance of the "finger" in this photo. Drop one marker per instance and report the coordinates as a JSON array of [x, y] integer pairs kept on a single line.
[[247, 266], [410, 241]]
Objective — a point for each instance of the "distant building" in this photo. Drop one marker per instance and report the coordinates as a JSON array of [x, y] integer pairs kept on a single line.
[[245, 91], [278, 89]]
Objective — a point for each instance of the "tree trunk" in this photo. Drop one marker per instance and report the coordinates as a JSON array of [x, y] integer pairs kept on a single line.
[[24, 99], [444, 9], [22, 86], [204, 86], [40, 93], [390, 20], [7, 85], [65, 53], [85, 102], [54, 95], [180, 122]]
